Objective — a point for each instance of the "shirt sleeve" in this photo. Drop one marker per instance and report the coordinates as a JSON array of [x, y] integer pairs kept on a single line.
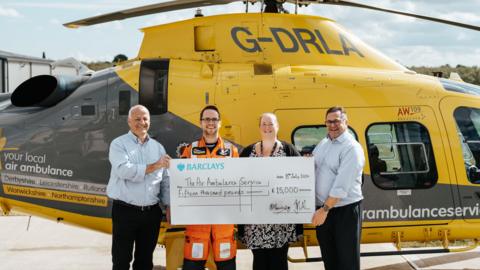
[[351, 167], [165, 188], [315, 153], [122, 166], [164, 194]]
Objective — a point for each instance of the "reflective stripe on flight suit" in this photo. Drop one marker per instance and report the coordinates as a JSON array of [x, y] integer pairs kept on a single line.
[[197, 237]]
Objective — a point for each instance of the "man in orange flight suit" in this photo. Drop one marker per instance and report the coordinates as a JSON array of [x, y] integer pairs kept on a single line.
[[199, 238]]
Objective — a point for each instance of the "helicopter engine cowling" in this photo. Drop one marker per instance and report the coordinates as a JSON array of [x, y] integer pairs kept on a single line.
[[45, 90]]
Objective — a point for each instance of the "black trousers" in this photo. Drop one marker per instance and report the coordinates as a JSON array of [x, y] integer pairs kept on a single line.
[[339, 238], [133, 227], [200, 265], [270, 258]]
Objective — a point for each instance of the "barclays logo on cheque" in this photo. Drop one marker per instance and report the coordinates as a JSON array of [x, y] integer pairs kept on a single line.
[[200, 166]]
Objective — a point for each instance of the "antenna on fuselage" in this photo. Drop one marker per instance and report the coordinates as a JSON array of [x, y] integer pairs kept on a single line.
[[198, 13], [273, 6]]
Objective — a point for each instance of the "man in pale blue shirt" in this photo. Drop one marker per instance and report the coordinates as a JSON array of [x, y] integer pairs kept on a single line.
[[139, 181], [339, 162]]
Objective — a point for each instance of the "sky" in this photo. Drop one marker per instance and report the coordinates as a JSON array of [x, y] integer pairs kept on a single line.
[[31, 27]]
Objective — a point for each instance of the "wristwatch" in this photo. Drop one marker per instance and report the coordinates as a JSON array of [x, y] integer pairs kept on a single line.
[[326, 208]]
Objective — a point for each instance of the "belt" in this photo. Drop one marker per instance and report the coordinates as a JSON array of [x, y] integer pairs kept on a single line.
[[140, 208]]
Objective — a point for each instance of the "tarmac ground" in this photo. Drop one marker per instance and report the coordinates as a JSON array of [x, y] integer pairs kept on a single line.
[[34, 243]]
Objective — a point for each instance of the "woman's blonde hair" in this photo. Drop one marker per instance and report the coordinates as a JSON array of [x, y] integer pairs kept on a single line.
[[272, 115]]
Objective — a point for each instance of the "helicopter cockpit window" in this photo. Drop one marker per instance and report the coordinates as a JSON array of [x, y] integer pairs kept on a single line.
[[401, 156], [468, 126], [305, 138], [154, 86]]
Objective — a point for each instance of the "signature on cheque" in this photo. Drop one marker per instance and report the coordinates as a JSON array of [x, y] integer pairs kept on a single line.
[[297, 206]]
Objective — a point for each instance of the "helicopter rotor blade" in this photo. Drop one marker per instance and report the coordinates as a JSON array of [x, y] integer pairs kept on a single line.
[[183, 4], [359, 5], [146, 10]]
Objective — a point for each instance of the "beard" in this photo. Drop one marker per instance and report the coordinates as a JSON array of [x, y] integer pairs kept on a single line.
[[210, 131]]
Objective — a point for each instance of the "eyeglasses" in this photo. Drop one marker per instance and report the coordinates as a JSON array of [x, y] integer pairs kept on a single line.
[[333, 122], [214, 120]]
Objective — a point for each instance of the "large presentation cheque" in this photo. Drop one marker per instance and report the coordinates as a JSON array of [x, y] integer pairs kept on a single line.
[[242, 190]]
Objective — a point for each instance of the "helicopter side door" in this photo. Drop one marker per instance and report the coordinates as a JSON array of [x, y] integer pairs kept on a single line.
[[461, 117], [152, 94], [120, 98], [406, 180]]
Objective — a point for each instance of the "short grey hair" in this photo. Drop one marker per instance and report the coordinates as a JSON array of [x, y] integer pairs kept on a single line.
[[137, 107]]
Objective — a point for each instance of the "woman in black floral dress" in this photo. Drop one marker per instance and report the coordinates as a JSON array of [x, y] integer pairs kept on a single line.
[[269, 242]]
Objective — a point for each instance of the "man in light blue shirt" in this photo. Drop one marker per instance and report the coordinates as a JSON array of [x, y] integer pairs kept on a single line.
[[139, 181], [339, 162]]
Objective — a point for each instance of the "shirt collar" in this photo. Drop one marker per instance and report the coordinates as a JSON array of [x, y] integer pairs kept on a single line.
[[203, 143], [135, 138], [340, 138]]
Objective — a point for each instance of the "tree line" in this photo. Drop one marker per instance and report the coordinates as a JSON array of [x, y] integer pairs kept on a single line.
[[99, 65], [468, 74]]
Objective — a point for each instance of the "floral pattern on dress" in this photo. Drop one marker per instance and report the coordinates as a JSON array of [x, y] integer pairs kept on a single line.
[[258, 236]]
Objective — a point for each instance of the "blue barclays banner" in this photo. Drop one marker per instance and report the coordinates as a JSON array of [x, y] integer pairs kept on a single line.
[[242, 190]]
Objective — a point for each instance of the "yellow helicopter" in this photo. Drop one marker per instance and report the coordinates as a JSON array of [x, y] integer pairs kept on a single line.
[[421, 134]]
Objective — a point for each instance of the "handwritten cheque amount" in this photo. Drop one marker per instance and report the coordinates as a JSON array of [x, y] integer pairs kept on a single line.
[[242, 190]]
